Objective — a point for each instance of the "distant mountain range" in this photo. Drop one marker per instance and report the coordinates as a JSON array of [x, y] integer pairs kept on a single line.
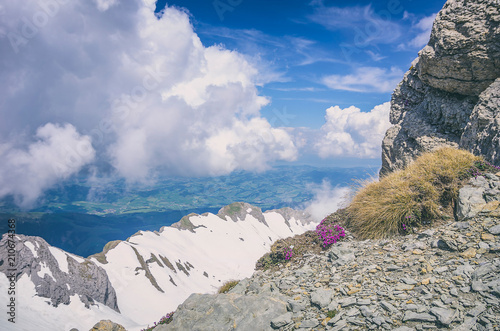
[[83, 215], [137, 281]]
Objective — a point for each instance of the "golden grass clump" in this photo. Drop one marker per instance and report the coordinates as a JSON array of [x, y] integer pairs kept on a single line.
[[228, 286], [422, 192]]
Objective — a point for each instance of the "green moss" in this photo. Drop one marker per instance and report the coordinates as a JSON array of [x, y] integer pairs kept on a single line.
[[331, 313]]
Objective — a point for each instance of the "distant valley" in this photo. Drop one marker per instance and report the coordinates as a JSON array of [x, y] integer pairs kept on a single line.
[[82, 216]]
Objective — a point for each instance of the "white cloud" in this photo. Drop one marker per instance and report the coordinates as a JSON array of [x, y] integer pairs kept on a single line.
[[327, 199], [104, 5], [366, 79], [59, 152], [425, 27], [421, 30], [370, 27], [350, 132], [151, 96]]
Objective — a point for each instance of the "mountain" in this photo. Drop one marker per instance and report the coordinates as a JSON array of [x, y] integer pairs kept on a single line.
[[134, 282], [450, 96]]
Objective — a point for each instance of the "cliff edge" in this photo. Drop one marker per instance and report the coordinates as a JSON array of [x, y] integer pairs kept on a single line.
[[450, 96]]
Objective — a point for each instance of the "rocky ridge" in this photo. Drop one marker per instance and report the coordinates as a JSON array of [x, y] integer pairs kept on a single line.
[[442, 277], [58, 275], [450, 96], [159, 269]]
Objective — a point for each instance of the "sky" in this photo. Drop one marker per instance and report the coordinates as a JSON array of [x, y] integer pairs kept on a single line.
[[137, 89]]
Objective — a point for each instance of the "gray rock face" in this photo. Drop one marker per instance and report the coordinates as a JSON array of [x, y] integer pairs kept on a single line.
[[479, 197], [483, 131], [203, 312], [463, 53], [58, 283], [450, 95], [239, 210]]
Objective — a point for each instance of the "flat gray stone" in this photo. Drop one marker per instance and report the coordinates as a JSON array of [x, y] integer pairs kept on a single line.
[[379, 320], [404, 328], [494, 229], [340, 325], [353, 312], [408, 281], [308, 324], [387, 306], [365, 311], [363, 302], [341, 255], [478, 286], [466, 325], [281, 320], [348, 302], [477, 310], [296, 306], [321, 297], [418, 317], [444, 316]]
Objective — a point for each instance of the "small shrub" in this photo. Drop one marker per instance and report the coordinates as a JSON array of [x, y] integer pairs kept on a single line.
[[164, 320], [479, 168], [288, 253], [288, 249], [331, 313], [422, 192], [329, 232], [228, 286]]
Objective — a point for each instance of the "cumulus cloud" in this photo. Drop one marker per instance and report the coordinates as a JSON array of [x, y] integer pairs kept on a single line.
[[350, 132], [366, 79], [57, 153], [150, 96], [421, 29], [327, 199]]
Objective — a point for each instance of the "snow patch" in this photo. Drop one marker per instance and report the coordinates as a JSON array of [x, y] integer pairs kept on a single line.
[[44, 270], [61, 258], [31, 248], [36, 314]]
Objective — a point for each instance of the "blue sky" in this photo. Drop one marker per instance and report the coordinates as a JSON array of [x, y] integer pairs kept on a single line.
[[303, 42], [123, 89]]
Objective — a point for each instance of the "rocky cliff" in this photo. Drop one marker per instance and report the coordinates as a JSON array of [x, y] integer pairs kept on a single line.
[[450, 96], [58, 275]]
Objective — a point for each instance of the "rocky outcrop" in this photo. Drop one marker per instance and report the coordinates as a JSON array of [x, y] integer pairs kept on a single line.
[[56, 274], [480, 197], [107, 325], [237, 211], [450, 95], [442, 277], [482, 134], [255, 310]]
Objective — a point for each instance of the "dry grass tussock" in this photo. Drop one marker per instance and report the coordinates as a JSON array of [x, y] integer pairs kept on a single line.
[[422, 192], [228, 286]]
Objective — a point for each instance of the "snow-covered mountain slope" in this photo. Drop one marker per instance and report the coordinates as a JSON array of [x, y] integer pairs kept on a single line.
[[149, 274]]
